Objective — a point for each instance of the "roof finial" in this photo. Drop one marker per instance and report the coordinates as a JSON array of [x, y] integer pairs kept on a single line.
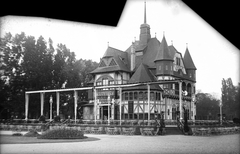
[[163, 33], [145, 19], [172, 42], [155, 35], [134, 39], [108, 44], [186, 45]]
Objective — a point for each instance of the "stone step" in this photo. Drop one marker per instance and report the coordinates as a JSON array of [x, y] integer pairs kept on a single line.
[[173, 131]]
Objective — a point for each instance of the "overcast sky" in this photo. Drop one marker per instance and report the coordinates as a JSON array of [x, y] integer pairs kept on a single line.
[[214, 56]]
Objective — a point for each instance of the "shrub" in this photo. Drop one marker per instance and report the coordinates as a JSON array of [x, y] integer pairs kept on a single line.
[[17, 134], [62, 133], [42, 118], [31, 133], [57, 119]]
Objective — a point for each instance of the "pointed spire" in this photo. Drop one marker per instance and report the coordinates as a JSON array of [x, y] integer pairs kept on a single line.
[[163, 51], [145, 18], [188, 60], [144, 29]]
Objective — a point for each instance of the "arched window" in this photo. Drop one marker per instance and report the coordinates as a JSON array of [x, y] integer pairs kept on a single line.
[[189, 89], [183, 86]]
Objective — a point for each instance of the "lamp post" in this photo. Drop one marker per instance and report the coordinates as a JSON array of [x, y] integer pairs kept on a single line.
[[220, 105], [51, 101]]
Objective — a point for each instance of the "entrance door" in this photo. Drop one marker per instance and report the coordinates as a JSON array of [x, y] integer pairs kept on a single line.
[[104, 112], [174, 113]]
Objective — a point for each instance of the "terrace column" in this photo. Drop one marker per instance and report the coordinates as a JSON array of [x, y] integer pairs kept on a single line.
[[58, 100], [180, 99], [26, 106], [108, 109], [120, 105], [95, 105], [148, 88], [75, 105], [42, 102]]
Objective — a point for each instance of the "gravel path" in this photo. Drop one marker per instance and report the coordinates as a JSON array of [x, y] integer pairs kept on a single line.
[[135, 144]]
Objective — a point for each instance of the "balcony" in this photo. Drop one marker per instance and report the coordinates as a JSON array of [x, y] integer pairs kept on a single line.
[[173, 93]]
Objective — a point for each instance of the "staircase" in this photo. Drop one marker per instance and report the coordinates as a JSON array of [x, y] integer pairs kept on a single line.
[[173, 130]]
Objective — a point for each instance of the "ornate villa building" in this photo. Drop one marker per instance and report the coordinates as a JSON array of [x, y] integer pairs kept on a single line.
[[145, 60], [150, 77]]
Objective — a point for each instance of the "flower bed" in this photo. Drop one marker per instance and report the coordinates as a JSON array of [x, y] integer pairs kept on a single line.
[[62, 133]]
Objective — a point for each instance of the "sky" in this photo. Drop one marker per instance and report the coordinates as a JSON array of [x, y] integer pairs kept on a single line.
[[213, 55]]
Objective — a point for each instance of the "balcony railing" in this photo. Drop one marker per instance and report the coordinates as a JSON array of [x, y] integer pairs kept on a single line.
[[175, 93]]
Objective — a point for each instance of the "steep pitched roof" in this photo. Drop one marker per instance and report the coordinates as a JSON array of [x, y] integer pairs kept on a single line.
[[172, 50], [119, 57], [110, 52], [142, 74], [163, 52], [149, 53], [188, 60]]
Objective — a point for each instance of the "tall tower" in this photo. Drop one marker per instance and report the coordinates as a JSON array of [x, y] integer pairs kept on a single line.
[[144, 30]]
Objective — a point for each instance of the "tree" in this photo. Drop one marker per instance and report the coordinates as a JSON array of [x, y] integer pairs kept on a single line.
[[207, 106], [34, 64], [230, 99]]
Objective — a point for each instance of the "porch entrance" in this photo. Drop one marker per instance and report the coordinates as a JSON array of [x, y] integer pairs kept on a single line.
[[104, 112]]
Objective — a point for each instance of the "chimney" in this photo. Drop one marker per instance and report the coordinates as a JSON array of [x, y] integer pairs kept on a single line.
[[132, 57]]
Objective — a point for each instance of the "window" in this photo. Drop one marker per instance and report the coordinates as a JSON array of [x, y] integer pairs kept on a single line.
[[126, 96], [168, 112], [111, 82], [152, 98], [166, 67], [171, 68], [140, 96], [130, 96], [135, 96], [130, 106], [105, 82], [99, 83], [159, 67], [178, 61], [145, 96]]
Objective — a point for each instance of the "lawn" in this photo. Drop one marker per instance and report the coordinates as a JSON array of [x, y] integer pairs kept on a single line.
[[9, 139]]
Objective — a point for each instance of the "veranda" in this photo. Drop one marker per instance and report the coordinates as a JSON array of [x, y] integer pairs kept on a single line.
[[75, 90]]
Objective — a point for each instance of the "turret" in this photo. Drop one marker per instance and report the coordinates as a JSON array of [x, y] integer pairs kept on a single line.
[[189, 65], [163, 60]]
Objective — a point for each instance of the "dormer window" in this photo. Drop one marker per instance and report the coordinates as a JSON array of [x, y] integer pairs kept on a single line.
[[178, 61]]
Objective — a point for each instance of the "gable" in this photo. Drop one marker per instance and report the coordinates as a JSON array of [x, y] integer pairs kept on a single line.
[[102, 64], [112, 63]]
